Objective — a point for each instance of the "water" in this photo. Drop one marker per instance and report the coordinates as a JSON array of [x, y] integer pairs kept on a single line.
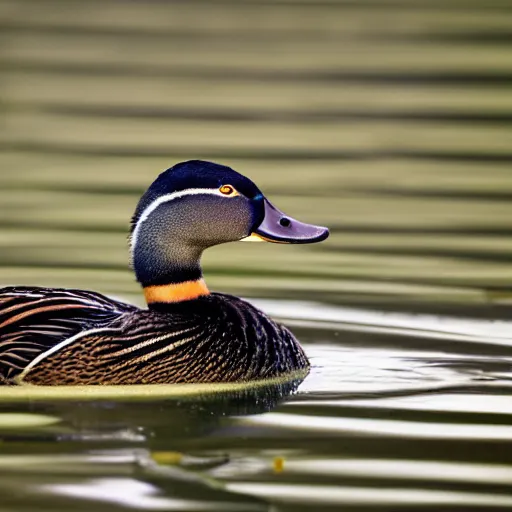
[[387, 121], [409, 411]]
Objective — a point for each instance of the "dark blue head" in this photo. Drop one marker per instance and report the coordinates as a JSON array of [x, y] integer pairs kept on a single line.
[[195, 174], [195, 205]]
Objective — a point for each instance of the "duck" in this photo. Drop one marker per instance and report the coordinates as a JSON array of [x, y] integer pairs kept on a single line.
[[186, 334]]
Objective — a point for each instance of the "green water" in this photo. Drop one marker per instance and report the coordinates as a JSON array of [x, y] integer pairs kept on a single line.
[[387, 121]]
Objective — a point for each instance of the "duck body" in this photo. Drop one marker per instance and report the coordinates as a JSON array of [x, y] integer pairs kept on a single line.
[[55, 336], [94, 339]]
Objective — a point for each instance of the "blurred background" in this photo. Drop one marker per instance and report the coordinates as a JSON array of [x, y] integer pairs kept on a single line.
[[389, 121]]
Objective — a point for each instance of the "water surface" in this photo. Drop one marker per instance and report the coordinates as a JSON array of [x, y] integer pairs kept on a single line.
[[409, 411]]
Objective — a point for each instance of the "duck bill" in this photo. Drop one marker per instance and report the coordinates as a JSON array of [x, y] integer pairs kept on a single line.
[[279, 228]]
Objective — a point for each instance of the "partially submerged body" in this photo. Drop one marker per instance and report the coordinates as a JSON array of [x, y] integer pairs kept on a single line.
[[216, 338]]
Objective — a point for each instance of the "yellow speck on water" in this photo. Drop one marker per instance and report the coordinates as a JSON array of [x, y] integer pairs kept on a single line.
[[168, 458], [278, 464]]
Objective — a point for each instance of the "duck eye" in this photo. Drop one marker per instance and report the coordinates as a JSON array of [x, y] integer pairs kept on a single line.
[[227, 190]]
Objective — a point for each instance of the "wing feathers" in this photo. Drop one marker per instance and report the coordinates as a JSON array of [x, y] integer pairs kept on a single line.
[[33, 320]]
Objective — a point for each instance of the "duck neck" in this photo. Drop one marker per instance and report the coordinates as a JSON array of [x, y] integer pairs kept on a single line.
[[175, 292], [169, 274]]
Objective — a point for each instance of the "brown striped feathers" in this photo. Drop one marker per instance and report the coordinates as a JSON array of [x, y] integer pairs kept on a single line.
[[33, 320], [68, 337]]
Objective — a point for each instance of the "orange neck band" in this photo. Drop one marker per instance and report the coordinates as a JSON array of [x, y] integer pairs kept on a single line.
[[176, 292]]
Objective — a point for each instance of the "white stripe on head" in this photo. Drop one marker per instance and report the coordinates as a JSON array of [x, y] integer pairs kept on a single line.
[[165, 199]]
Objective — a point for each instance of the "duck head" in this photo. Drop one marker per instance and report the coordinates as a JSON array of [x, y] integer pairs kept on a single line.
[[195, 205]]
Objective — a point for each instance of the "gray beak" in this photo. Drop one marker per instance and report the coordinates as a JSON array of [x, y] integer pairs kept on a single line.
[[280, 228]]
